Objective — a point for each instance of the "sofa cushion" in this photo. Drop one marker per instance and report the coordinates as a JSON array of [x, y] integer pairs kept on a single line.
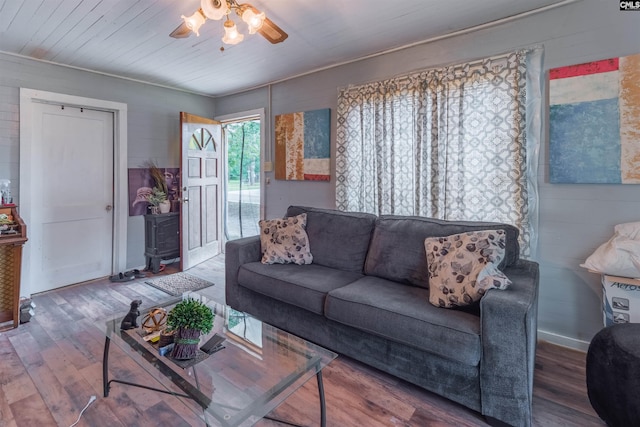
[[464, 266], [397, 246], [305, 286], [338, 239], [284, 240], [402, 313]]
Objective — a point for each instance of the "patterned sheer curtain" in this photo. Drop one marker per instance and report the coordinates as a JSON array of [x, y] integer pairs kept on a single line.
[[447, 143]]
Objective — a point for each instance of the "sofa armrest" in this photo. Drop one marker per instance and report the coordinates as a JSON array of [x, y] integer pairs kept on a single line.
[[238, 252], [509, 320]]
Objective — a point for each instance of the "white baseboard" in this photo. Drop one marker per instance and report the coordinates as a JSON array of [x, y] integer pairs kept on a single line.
[[563, 341]]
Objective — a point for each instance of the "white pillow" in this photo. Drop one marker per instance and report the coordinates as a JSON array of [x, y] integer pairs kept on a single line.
[[629, 229], [620, 256]]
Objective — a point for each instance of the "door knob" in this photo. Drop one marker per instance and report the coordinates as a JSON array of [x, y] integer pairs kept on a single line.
[[109, 208]]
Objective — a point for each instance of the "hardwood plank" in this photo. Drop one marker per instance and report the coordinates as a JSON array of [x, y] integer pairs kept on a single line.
[[91, 310], [115, 293], [433, 406], [119, 402], [98, 413], [562, 379], [27, 349], [77, 356], [349, 384], [58, 362], [124, 367], [32, 411], [56, 298], [548, 413], [428, 417], [54, 395], [5, 410], [9, 368], [148, 294], [164, 415], [41, 336]]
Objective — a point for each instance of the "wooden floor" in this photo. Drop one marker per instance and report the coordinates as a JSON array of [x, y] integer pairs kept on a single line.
[[51, 366]]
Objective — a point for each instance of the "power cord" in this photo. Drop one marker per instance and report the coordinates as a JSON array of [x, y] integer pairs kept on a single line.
[[91, 400]]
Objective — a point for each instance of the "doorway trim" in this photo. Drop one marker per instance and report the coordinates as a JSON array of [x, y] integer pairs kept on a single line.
[[259, 112], [28, 97]]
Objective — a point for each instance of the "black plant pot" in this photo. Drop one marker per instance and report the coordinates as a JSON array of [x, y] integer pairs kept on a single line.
[[185, 344], [166, 338]]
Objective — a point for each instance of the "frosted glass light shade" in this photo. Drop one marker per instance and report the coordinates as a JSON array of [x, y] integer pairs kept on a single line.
[[254, 20], [194, 22], [231, 34]]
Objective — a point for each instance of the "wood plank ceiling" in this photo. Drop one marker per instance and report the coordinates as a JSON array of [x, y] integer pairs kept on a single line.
[[130, 38]]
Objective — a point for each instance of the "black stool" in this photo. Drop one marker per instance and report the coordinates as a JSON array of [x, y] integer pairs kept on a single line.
[[613, 374]]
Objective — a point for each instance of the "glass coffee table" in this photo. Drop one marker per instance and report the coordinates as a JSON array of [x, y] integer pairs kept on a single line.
[[255, 370]]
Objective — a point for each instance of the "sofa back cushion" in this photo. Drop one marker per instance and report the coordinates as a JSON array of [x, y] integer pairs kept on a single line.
[[397, 246], [337, 239]]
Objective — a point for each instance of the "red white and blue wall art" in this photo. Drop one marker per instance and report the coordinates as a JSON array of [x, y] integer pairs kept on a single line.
[[594, 122]]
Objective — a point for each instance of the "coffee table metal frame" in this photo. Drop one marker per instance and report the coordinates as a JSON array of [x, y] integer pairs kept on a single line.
[[167, 367]]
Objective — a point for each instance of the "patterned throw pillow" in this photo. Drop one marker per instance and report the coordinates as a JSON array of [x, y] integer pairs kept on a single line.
[[462, 267], [285, 241]]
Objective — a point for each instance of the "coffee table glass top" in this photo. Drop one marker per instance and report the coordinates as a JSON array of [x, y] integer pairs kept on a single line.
[[258, 368]]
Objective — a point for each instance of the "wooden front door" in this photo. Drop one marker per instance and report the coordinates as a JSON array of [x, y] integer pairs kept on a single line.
[[201, 189]]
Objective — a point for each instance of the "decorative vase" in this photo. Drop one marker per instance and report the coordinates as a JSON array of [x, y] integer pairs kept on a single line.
[[165, 206], [185, 344]]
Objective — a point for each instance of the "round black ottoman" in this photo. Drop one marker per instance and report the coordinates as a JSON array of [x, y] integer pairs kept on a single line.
[[613, 374]]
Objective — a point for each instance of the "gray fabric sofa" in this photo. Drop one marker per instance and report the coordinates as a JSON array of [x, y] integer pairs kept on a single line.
[[366, 296]]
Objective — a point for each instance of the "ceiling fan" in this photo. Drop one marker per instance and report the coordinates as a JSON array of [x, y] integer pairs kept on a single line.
[[218, 9]]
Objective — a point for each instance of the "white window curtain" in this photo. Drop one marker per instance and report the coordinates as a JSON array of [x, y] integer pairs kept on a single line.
[[456, 143]]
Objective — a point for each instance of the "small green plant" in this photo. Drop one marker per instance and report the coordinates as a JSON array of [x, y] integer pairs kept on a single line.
[[156, 197], [191, 314]]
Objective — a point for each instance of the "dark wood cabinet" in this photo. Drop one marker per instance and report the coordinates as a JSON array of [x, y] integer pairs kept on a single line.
[[161, 238]]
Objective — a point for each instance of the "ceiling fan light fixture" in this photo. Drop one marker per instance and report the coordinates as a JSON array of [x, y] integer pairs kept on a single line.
[[231, 34], [214, 9], [194, 22], [256, 21], [253, 20]]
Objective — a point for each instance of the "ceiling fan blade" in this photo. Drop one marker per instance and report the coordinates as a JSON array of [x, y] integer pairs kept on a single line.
[[181, 32], [272, 32]]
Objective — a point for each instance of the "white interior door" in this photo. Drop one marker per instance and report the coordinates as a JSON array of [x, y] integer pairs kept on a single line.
[[71, 229], [201, 189]]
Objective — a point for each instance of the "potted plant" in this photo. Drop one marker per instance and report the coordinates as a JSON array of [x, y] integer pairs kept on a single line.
[[189, 318], [156, 199]]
